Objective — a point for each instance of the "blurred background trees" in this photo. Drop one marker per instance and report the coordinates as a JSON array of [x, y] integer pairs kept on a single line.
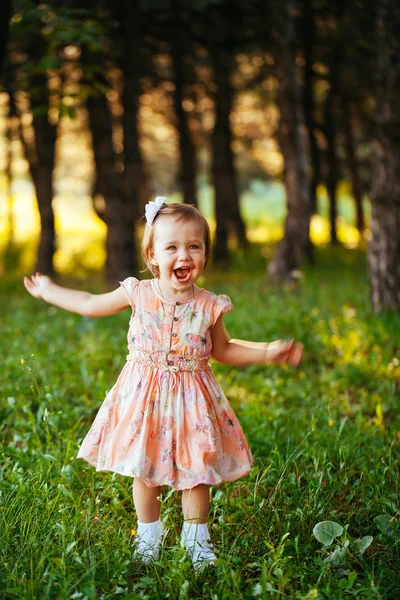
[[173, 97]]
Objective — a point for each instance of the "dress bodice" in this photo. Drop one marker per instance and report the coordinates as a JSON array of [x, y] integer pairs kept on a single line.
[[177, 329]]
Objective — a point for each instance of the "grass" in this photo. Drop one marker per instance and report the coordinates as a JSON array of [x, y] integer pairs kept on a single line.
[[325, 440]]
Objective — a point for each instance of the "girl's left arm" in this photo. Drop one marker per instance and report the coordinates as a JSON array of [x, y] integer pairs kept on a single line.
[[242, 352]]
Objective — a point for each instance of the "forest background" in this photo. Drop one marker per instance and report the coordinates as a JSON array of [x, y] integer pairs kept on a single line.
[[280, 121]]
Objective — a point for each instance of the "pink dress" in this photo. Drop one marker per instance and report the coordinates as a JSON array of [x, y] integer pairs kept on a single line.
[[166, 420]]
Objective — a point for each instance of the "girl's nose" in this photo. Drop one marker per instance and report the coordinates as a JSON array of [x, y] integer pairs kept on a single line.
[[184, 254]]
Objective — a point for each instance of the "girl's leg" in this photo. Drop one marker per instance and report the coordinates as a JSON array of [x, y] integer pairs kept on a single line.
[[195, 536], [150, 528], [195, 504], [145, 499]]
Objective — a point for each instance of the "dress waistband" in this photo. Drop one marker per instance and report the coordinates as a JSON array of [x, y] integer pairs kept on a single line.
[[168, 361]]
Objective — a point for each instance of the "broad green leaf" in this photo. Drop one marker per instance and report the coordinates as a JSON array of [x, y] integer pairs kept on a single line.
[[388, 525], [337, 558], [327, 531], [361, 544]]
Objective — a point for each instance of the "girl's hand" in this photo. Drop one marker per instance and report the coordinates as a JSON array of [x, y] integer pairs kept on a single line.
[[37, 284], [285, 351]]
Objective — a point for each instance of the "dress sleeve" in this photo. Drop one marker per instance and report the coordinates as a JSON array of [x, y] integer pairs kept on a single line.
[[222, 305], [130, 285]]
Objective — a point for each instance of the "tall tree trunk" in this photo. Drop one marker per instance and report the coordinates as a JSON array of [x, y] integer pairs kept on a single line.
[[309, 101], [133, 163], [331, 154], [5, 15], [41, 165], [227, 209], [107, 183], [351, 155], [187, 156], [12, 136], [384, 247], [45, 139], [331, 115], [292, 249]]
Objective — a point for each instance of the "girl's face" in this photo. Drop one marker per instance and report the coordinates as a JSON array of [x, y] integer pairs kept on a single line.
[[179, 251]]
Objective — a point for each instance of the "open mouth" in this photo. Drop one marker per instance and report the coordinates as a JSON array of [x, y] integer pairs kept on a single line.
[[183, 274]]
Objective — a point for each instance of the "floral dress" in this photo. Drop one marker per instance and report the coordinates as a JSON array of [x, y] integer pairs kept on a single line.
[[166, 420]]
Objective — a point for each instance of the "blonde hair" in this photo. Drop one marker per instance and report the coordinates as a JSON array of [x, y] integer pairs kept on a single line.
[[183, 212]]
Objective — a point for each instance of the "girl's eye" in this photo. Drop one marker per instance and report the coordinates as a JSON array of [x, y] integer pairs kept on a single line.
[[171, 248], [195, 246]]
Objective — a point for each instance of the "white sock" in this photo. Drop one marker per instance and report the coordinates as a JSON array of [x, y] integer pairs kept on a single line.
[[148, 540], [192, 530], [196, 539], [144, 527]]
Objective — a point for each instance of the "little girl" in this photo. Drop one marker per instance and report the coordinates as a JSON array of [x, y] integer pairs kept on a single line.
[[166, 421]]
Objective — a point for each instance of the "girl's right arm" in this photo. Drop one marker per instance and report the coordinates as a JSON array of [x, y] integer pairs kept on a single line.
[[83, 303]]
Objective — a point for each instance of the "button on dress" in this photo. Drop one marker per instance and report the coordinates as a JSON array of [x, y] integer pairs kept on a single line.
[[166, 420]]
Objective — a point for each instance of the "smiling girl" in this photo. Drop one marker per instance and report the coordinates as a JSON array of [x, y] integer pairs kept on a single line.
[[166, 421]]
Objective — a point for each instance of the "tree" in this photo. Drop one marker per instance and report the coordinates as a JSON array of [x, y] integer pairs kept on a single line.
[[108, 183], [292, 249], [384, 247], [308, 35], [39, 144], [5, 14], [227, 208], [37, 40], [187, 155]]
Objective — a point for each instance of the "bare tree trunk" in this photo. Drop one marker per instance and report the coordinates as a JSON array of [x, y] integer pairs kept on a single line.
[[12, 135], [45, 140], [356, 184], [331, 117], [292, 249], [133, 163], [5, 15], [309, 101], [331, 154], [384, 248], [187, 157], [107, 183], [227, 209], [41, 164]]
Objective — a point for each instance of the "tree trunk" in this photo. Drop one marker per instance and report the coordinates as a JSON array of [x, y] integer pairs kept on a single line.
[[5, 15], [227, 210], [331, 154], [41, 164], [384, 247], [107, 183], [133, 163], [331, 115], [309, 101], [356, 184], [12, 136], [292, 249], [187, 157]]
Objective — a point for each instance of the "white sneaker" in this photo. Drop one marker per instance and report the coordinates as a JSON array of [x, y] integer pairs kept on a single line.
[[195, 538], [148, 541]]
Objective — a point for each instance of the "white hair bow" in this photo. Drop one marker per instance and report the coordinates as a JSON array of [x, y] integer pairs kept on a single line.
[[151, 209]]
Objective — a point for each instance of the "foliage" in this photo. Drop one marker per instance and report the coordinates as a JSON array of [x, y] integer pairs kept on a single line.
[[325, 440], [44, 37], [327, 531]]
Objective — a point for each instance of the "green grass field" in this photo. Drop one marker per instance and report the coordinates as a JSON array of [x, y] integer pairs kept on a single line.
[[325, 440]]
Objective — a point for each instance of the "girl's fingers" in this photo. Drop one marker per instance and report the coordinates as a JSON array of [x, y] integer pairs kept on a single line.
[[294, 353], [297, 355]]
